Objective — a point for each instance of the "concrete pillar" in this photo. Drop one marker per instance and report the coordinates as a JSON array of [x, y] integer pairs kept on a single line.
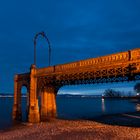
[[17, 115], [43, 110], [54, 111], [33, 116], [27, 105], [48, 104]]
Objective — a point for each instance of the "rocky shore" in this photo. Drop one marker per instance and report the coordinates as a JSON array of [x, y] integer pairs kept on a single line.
[[71, 130]]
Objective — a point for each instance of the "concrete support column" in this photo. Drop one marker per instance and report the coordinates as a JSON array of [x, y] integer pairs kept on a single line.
[[27, 105], [33, 116], [54, 111], [48, 104], [43, 110], [17, 115]]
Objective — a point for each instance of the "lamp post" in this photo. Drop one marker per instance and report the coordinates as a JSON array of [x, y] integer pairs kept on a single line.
[[49, 46]]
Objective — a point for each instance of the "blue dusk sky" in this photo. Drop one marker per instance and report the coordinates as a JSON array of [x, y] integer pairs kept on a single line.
[[77, 29], [98, 89]]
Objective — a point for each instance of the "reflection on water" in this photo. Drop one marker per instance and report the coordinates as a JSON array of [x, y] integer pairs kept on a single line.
[[73, 108], [103, 105], [77, 107]]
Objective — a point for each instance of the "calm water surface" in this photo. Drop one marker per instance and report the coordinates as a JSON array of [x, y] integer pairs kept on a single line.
[[72, 108]]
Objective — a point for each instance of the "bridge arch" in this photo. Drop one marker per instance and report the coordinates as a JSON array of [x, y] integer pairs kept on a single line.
[[24, 86], [24, 102], [20, 81], [24, 89], [49, 46]]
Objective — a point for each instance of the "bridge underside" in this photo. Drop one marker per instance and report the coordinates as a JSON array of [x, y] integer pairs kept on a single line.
[[46, 82]]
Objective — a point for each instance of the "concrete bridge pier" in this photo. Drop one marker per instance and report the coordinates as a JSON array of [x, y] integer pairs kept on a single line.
[[17, 114], [43, 107], [48, 104], [33, 116]]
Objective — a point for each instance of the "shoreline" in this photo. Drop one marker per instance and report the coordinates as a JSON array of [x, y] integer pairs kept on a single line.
[[106, 127]]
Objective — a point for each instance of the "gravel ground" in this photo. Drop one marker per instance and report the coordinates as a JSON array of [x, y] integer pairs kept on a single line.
[[70, 130]]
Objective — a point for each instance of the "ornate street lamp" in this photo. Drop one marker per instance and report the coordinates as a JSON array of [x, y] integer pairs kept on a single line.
[[35, 39]]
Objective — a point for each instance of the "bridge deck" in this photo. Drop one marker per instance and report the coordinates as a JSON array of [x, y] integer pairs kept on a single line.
[[123, 59]]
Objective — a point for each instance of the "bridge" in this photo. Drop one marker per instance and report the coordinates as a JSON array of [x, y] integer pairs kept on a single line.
[[45, 82]]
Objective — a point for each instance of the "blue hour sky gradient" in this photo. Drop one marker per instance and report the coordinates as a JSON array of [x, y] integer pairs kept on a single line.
[[77, 29]]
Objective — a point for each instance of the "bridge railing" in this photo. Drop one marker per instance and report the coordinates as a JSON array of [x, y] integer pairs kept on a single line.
[[23, 76], [94, 62], [45, 70], [104, 61]]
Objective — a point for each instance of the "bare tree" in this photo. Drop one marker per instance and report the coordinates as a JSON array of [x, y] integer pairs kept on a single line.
[[112, 93], [137, 87]]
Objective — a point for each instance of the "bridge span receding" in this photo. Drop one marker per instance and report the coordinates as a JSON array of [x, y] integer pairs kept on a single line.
[[45, 82]]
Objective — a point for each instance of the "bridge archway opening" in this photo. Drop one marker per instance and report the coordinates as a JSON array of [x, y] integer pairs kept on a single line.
[[24, 102], [73, 104]]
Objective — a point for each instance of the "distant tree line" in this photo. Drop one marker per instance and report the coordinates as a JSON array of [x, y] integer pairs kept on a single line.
[[137, 87], [112, 93]]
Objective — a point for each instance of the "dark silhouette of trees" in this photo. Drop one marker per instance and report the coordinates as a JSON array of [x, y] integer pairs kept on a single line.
[[137, 87], [112, 93]]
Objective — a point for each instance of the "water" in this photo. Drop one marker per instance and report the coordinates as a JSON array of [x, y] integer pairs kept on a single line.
[[77, 107], [72, 108]]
